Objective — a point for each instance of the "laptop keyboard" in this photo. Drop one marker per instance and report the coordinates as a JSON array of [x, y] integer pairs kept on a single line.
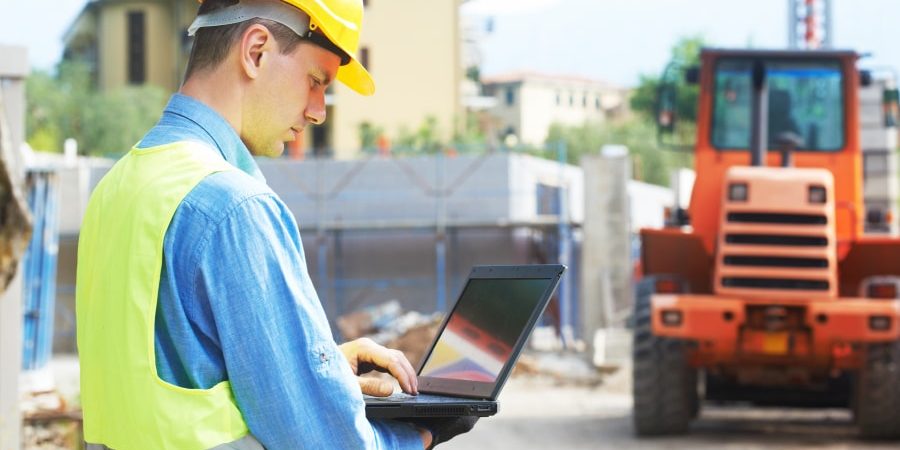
[[404, 397]]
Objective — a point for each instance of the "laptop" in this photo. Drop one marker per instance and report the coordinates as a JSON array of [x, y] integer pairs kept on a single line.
[[477, 345]]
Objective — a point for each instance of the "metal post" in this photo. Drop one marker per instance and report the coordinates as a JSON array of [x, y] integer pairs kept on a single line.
[[321, 238], [440, 244], [792, 24], [563, 231], [338, 281]]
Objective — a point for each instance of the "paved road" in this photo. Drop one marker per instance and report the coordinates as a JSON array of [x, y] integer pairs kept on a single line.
[[538, 414]]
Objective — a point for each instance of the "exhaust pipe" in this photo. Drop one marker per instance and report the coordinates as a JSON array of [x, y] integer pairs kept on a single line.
[[759, 111]]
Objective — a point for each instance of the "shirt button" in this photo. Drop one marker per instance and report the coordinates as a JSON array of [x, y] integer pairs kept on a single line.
[[323, 357]]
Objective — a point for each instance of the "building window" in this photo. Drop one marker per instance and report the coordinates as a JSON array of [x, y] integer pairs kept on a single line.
[[597, 103], [558, 98], [136, 48], [510, 96], [584, 100], [571, 99], [364, 58]]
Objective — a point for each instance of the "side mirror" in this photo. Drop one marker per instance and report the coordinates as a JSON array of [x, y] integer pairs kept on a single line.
[[665, 108], [865, 78], [692, 75]]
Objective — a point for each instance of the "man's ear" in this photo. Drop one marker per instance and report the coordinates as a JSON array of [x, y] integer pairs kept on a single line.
[[255, 43]]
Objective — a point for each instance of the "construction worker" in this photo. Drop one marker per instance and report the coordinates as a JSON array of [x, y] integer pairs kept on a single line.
[[198, 324]]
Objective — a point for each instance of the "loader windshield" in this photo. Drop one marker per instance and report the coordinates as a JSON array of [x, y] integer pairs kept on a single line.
[[805, 99]]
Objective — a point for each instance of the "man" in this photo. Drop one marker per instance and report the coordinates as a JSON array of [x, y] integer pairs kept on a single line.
[[198, 325]]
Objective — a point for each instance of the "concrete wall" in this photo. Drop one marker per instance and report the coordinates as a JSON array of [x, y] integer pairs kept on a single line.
[[13, 69], [493, 189], [11, 359]]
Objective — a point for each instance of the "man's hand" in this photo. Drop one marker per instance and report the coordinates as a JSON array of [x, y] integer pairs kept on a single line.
[[364, 356]]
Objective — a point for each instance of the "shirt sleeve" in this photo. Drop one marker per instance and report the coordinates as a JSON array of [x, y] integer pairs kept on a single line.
[[291, 382]]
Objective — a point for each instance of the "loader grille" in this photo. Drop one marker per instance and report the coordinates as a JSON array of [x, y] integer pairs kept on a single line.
[[769, 251], [775, 283], [781, 240], [775, 261], [783, 218]]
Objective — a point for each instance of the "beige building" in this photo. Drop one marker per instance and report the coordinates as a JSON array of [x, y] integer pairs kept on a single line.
[[411, 47], [527, 104]]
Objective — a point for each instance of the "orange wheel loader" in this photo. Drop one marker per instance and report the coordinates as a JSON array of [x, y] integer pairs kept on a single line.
[[766, 290]]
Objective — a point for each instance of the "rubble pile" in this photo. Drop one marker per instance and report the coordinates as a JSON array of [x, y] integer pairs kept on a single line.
[[412, 333], [50, 423], [387, 324]]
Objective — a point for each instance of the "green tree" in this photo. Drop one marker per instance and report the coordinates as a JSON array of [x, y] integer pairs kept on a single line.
[[67, 105], [368, 136], [425, 139], [652, 164]]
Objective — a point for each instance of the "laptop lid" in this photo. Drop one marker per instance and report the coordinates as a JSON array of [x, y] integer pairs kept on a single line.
[[480, 340]]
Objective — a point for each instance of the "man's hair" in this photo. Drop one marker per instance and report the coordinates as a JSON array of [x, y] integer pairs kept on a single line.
[[212, 44]]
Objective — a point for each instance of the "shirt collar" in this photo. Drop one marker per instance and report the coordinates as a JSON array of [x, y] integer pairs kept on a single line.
[[216, 131]]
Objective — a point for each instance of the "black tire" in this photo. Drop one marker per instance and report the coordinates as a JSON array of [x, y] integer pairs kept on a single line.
[[878, 393], [664, 384]]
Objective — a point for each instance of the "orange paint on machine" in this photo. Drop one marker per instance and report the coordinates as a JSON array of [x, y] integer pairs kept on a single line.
[[771, 291]]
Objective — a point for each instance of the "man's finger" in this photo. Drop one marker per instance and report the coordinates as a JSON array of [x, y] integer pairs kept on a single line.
[[400, 368], [396, 364], [375, 387]]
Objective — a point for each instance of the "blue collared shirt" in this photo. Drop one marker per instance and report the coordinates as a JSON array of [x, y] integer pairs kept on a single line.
[[236, 303]]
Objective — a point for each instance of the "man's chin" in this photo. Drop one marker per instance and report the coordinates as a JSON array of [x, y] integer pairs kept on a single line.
[[271, 152]]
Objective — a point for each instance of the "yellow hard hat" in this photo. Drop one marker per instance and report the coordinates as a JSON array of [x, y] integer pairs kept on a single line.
[[341, 22]]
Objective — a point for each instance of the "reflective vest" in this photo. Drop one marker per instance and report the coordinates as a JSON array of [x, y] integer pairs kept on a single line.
[[120, 255]]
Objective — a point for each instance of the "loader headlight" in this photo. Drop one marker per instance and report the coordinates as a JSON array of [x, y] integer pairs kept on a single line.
[[880, 323], [737, 192], [818, 194], [671, 318]]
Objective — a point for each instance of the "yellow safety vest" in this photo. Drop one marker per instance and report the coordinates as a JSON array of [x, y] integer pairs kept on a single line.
[[120, 254]]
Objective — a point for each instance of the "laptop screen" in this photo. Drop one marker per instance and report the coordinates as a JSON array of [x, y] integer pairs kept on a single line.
[[482, 331]]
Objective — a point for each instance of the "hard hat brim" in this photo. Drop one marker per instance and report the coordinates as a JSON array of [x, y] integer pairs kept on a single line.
[[356, 77]]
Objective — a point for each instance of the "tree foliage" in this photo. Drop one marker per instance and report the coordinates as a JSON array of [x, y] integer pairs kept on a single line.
[[685, 54], [67, 105], [652, 164]]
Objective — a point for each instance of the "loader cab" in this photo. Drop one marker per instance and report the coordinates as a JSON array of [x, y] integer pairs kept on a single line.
[[805, 100], [783, 109]]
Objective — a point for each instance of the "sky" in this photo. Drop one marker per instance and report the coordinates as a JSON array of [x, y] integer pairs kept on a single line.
[[609, 40]]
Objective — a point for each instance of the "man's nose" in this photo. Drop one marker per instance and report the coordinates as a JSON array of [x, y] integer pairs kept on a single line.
[[315, 110]]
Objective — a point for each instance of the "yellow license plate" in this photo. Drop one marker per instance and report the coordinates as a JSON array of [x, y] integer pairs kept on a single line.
[[775, 343]]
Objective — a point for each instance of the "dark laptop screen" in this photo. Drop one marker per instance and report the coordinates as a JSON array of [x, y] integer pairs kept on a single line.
[[483, 328]]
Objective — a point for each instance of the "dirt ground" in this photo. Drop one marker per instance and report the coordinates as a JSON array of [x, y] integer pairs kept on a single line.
[[538, 413], [542, 412]]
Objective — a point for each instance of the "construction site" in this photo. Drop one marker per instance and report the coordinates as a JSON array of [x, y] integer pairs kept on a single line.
[[743, 293]]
